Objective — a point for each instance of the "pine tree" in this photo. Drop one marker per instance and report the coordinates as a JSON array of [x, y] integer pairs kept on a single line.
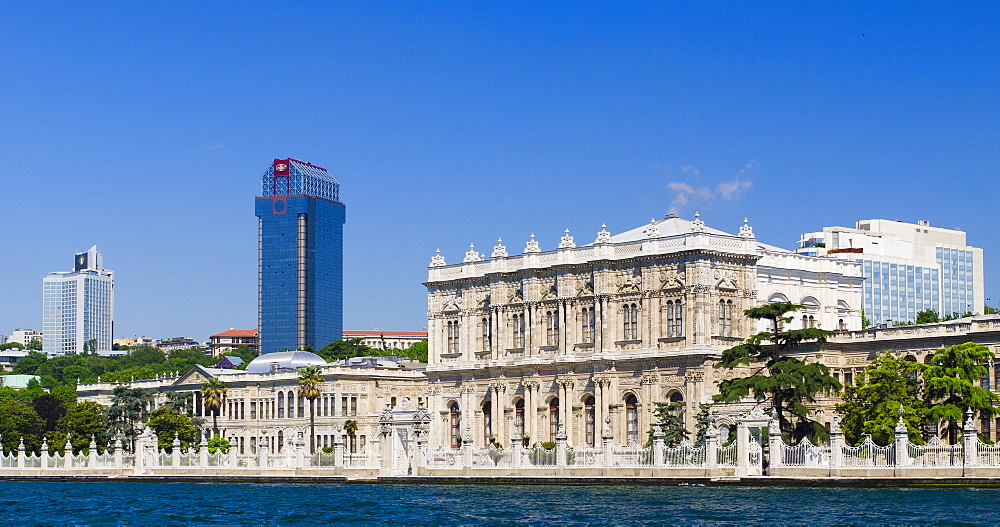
[[951, 389], [670, 422], [703, 421], [789, 383], [872, 405]]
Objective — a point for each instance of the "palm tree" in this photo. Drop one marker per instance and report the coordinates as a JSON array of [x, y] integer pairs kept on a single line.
[[212, 392], [309, 382], [350, 426]]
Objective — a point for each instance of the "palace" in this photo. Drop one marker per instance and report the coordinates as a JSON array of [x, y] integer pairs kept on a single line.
[[580, 339]]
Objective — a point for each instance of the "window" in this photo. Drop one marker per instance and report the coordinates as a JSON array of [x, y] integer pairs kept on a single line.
[[590, 421], [456, 426], [519, 418], [678, 319], [553, 418], [588, 324], [552, 328], [281, 405], [453, 336], [631, 419], [487, 421], [726, 318], [518, 331], [676, 397], [631, 326], [354, 406], [487, 342]]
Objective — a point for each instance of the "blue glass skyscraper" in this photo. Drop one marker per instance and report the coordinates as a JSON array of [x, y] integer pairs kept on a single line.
[[301, 249]]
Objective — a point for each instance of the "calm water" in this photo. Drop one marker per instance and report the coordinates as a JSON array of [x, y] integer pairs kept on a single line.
[[120, 503]]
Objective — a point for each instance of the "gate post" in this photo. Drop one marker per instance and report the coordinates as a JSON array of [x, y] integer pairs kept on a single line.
[[902, 440], [971, 439], [658, 444], [776, 445], [561, 453], [607, 442], [836, 445], [712, 450]]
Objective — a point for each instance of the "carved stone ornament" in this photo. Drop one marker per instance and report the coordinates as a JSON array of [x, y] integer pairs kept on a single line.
[[566, 242], [532, 246], [697, 225], [746, 231], [499, 251], [472, 255], [437, 260], [652, 231], [603, 236]]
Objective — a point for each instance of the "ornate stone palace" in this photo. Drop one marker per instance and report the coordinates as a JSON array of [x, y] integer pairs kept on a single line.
[[579, 337]]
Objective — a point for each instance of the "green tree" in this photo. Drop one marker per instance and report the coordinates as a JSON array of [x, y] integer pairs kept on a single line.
[[670, 422], [789, 383], [244, 352], [309, 384], [18, 420], [703, 421], [29, 364], [865, 323], [168, 423], [82, 423], [129, 407], [350, 428], [50, 409], [951, 377], [11, 345], [345, 349], [417, 351], [35, 344], [872, 405], [927, 316], [213, 392], [987, 310], [218, 443]]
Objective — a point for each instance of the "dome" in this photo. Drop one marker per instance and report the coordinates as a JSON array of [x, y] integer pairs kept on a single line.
[[284, 360]]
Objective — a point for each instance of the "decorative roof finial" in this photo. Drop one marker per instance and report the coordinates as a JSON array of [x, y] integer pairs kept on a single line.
[[566, 242], [472, 255], [437, 260], [532, 245], [499, 251], [652, 231], [697, 225], [746, 231], [603, 236]]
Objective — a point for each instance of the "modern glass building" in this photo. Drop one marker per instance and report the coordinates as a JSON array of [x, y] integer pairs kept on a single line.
[[301, 255], [78, 307], [908, 267]]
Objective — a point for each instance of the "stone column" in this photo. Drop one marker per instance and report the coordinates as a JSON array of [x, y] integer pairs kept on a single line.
[[658, 445], [836, 445], [712, 449], [385, 449], [902, 440], [44, 454], [175, 452], [742, 449], [607, 443], [467, 458], [68, 452], [970, 435], [20, 455], [203, 453], [338, 451], [117, 453], [92, 462], [561, 452], [775, 445]]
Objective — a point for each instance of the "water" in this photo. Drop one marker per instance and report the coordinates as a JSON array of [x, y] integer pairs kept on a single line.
[[124, 503]]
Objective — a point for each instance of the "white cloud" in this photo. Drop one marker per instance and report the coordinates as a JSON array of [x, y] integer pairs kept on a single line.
[[688, 194], [211, 147]]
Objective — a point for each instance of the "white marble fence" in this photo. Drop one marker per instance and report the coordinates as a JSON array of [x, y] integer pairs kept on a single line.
[[402, 450]]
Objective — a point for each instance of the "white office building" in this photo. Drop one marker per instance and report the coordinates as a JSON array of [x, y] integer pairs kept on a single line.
[[25, 336], [78, 307], [908, 267]]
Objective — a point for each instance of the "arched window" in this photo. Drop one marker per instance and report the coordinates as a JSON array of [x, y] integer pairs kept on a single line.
[[676, 397], [590, 421], [725, 317], [302, 406], [670, 318], [453, 336], [553, 418], [552, 328], [588, 324], [456, 426], [631, 419], [631, 312], [912, 374], [281, 440], [729, 318], [487, 342], [519, 418], [281, 405], [487, 421]]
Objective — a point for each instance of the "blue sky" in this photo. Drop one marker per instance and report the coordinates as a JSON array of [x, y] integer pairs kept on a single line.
[[144, 127]]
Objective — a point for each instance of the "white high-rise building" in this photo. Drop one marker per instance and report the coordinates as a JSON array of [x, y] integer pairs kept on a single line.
[[908, 267], [78, 307]]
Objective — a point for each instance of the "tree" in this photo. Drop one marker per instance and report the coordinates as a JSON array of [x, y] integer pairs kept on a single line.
[[670, 422], [11, 345], [18, 421], [83, 423], [244, 352], [309, 382], [872, 405], [865, 323], [927, 316], [789, 383], [703, 421], [29, 364], [213, 391], [218, 443], [50, 409], [345, 349], [417, 351], [350, 428], [168, 423], [129, 407], [987, 310], [951, 390], [35, 344]]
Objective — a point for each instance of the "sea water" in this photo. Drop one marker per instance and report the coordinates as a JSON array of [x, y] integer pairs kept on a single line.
[[141, 503]]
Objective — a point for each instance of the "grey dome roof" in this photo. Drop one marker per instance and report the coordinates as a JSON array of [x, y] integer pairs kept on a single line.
[[284, 360]]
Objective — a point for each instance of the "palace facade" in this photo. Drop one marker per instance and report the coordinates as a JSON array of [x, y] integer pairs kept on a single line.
[[585, 340]]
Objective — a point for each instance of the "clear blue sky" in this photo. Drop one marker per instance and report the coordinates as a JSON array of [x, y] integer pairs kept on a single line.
[[144, 127]]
